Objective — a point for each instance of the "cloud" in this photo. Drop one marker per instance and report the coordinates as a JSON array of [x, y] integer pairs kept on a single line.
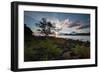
[[69, 24], [83, 26], [78, 24], [75, 24], [66, 23]]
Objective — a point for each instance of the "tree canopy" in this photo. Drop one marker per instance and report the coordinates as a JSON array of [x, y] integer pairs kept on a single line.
[[45, 27]]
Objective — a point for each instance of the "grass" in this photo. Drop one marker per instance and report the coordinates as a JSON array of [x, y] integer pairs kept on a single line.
[[51, 48]]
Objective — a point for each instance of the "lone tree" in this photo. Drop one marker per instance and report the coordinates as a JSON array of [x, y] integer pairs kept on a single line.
[[45, 26]]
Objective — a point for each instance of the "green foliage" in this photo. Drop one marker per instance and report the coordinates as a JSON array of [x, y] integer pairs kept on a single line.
[[51, 48], [81, 51], [46, 50]]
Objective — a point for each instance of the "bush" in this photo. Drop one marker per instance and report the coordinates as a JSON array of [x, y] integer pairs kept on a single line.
[[81, 51], [46, 50]]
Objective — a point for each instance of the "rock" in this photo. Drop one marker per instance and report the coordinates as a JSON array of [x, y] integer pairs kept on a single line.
[[67, 55]]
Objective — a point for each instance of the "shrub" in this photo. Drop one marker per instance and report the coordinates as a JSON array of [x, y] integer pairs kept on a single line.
[[81, 51], [46, 50]]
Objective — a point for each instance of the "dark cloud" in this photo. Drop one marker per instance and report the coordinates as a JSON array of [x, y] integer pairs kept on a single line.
[[84, 26], [74, 24], [79, 25]]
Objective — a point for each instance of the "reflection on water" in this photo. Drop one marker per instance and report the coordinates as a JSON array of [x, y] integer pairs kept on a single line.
[[76, 37]]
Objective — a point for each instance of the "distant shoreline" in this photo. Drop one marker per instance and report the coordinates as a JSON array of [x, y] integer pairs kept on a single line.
[[76, 34]]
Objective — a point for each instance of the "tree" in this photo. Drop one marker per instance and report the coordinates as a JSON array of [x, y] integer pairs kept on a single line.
[[27, 31], [45, 26]]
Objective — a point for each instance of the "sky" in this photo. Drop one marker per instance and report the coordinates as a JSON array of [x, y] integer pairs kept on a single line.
[[67, 22]]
